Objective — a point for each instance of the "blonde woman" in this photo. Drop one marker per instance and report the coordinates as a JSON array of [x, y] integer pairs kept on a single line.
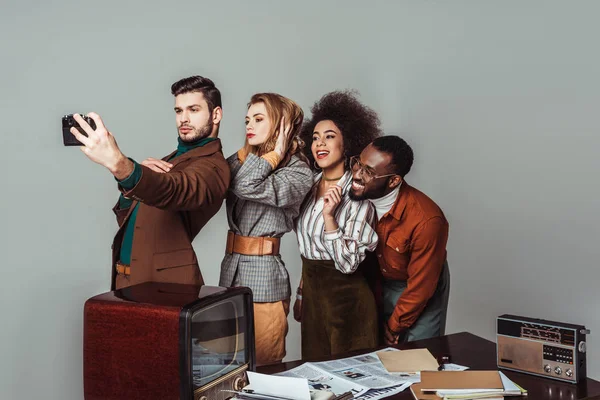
[[269, 180]]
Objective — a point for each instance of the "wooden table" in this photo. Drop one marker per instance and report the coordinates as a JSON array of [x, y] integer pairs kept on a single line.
[[480, 354]]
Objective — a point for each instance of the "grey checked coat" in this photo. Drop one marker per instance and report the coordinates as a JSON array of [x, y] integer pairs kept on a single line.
[[263, 202]]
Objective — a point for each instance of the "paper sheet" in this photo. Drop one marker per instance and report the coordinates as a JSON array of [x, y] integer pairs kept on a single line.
[[279, 386], [509, 386], [408, 361]]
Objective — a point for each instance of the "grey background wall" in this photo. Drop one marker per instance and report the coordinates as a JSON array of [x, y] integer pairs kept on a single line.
[[498, 98]]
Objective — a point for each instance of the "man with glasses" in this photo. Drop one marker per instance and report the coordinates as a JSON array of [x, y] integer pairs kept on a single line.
[[412, 232]]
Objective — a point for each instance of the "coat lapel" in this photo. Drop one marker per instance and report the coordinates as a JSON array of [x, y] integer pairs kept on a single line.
[[202, 151]]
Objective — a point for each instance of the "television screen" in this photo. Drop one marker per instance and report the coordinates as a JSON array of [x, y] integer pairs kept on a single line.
[[219, 340]]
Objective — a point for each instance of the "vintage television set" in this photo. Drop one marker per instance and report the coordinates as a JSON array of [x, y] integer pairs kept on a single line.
[[167, 341]]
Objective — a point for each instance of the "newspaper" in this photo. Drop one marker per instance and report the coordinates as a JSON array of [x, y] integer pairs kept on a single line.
[[375, 394], [363, 375]]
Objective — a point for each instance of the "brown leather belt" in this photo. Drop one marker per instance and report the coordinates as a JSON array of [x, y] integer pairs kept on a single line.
[[123, 269], [251, 245]]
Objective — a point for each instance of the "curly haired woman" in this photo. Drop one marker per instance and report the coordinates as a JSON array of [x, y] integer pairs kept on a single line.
[[334, 302]]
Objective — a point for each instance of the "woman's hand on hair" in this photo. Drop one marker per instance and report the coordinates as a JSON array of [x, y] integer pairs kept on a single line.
[[283, 138]]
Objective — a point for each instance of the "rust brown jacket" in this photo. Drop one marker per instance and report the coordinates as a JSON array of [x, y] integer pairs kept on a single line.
[[412, 248], [174, 207]]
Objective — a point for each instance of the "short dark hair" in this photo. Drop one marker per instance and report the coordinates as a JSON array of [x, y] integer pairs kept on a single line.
[[198, 83], [358, 123], [401, 152]]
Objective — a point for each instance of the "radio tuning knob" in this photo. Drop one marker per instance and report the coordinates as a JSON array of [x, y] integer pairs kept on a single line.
[[557, 370], [569, 372], [582, 346], [548, 369]]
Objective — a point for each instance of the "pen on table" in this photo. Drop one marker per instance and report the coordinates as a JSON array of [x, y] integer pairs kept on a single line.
[[345, 396], [443, 361]]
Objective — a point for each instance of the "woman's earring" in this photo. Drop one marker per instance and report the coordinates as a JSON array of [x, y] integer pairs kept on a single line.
[[316, 165]]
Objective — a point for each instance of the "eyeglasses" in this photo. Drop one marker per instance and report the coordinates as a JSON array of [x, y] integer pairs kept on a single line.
[[368, 173]]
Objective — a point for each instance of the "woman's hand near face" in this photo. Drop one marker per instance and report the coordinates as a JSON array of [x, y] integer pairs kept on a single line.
[[332, 199], [283, 138]]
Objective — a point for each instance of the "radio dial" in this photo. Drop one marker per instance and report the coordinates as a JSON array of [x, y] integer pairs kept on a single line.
[[557, 370], [548, 369], [582, 347], [569, 372]]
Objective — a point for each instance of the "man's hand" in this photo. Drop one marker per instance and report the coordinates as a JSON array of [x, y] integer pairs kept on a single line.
[[389, 337], [101, 147], [298, 310], [331, 200], [157, 165]]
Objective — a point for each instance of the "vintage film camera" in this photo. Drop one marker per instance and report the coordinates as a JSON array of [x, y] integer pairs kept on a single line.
[[69, 122]]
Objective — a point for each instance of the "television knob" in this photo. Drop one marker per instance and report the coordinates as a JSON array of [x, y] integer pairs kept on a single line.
[[239, 383], [582, 346], [569, 372], [548, 369], [558, 370]]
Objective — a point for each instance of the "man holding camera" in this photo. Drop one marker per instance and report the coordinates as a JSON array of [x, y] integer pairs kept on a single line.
[[164, 203]]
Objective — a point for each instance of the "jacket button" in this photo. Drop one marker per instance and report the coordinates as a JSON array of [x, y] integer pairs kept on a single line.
[[379, 255], [384, 270]]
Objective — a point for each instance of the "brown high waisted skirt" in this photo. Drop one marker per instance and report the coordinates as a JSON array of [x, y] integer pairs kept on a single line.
[[338, 311]]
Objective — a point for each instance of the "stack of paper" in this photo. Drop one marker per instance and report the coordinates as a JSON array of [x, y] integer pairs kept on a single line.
[[268, 387], [465, 385]]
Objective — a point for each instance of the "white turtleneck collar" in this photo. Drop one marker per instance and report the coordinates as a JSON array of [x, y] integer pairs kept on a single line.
[[384, 204]]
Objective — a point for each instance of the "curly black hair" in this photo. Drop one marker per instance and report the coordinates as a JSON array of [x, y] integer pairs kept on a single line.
[[358, 123]]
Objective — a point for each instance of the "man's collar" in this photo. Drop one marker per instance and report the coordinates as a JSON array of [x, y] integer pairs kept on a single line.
[[202, 151], [184, 147], [400, 203]]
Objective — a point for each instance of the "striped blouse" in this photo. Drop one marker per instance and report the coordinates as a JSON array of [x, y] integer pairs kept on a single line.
[[347, 245]]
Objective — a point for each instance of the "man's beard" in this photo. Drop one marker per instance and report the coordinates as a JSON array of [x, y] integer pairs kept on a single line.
[[356, 197], [367, 193], [197, 134], [363, 193]]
